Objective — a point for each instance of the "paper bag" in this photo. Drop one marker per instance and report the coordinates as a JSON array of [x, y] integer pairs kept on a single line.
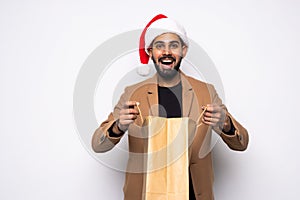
[[167, 159]]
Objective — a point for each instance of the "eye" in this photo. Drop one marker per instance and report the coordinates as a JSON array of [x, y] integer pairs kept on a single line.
[[159, 46], [174, 45]]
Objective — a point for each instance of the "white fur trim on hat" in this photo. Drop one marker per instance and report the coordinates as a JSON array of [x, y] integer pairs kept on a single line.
[[165, 25]]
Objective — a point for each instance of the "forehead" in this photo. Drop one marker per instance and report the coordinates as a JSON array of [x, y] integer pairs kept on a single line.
[[167, 37]]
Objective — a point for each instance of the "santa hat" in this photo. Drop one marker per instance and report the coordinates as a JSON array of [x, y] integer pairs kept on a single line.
[[158, 25]]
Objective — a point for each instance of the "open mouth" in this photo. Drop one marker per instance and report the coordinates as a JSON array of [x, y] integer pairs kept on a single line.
[[167, 61]]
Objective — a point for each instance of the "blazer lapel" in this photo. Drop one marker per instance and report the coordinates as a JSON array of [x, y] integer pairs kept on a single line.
[[152, 96], [187, 96]]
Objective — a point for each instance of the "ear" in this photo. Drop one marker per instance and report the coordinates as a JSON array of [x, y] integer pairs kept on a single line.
[[184, 50], [150, 52]]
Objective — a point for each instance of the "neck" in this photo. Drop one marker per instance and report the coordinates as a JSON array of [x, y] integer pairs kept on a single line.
[[168, 82]]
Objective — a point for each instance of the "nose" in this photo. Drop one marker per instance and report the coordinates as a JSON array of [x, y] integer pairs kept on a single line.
[[167, 50]]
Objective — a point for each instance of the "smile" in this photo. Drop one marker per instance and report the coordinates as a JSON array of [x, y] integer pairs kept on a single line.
[[166, 60]]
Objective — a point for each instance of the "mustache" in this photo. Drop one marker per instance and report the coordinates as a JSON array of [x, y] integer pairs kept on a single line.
[[167, 57]]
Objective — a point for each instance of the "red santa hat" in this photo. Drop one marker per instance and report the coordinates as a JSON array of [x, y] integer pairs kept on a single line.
[[158, 25]]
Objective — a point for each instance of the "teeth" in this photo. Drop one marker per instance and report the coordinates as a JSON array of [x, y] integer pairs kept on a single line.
[[167, 61]]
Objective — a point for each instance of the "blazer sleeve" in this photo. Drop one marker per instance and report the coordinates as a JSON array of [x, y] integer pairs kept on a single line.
[[101, 141], [239, 140]]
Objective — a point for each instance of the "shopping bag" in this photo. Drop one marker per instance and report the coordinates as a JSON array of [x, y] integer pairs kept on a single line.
[[167, 175]]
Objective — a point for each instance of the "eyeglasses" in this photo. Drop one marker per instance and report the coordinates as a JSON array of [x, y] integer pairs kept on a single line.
[[174, 45]]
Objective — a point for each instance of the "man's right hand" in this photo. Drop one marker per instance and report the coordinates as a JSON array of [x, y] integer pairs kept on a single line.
[[127, 115]]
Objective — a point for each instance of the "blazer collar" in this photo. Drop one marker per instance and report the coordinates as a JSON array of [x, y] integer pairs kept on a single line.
[[187, 95]]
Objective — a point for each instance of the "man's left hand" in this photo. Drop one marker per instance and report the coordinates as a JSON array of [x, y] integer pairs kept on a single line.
[[215, 115]]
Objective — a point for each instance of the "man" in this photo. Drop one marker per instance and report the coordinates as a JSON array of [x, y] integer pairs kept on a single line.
[[170, 94]]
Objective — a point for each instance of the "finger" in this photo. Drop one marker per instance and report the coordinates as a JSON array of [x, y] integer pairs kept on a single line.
[[130, 104], [211, 120], [217, 115], [208, 114], [208, 122], [129, 111], [125, 122], [131, 117], [124, 119], [128, 117], [213, 108]]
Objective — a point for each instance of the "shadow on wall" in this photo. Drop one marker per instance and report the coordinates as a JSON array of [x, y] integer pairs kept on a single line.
[[229, 172]]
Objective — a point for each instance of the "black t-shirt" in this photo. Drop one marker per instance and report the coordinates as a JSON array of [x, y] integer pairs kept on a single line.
[[170, 101], [170, 106]]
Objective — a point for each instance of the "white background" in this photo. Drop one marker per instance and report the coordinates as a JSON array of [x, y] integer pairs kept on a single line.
[[254, 44]]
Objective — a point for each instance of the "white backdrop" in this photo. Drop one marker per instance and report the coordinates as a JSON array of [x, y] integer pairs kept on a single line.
[[254, 45]]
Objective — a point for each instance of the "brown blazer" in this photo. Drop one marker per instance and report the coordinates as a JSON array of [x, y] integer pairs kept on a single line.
[[195, 94]]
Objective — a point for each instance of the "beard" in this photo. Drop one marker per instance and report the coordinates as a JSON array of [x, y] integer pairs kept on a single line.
[[167, 74]]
